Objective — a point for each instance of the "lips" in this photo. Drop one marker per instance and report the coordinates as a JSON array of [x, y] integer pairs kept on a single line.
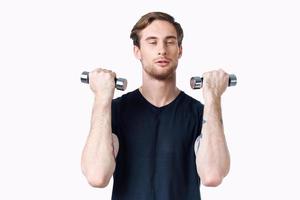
[[162, 61]]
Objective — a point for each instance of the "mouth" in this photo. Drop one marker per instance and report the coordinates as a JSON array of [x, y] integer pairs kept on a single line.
[[162, 62]]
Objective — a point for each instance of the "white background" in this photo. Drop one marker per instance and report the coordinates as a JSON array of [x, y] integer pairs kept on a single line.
[[45, 110]]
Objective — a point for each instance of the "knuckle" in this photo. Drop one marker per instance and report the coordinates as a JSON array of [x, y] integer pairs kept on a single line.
[[205, 74], [98, 69]]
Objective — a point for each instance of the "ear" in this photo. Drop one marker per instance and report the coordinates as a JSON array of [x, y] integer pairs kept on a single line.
[[180, 52], [137, 52]]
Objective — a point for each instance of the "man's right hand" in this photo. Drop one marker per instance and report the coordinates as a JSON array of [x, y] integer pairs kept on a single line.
[[102, 83]]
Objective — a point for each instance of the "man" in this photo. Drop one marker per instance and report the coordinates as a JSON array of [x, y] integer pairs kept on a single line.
[[157, 141]]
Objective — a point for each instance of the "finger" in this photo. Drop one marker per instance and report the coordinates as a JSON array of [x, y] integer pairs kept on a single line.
[[221, 70], [105, 70], [98, 70]]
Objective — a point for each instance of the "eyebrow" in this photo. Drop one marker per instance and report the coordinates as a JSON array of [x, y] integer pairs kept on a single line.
[[171, 37]]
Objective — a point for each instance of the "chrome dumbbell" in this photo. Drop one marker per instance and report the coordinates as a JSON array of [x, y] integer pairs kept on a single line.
[[196, 82], [121, 83]]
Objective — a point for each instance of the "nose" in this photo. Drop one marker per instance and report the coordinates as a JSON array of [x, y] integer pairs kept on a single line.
[[163, 53], [162, 50]]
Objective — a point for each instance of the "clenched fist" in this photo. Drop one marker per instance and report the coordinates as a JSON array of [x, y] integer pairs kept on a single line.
[[214, 84], [102, 83]]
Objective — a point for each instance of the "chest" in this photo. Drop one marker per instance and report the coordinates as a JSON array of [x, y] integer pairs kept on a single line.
[[164, 133]]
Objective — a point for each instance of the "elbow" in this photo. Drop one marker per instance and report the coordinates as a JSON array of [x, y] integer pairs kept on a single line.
[[212, 177], [212, 181], [97, 181]]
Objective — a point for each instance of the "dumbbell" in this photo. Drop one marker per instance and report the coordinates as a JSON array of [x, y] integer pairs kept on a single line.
[[121, 83], [196, 82]]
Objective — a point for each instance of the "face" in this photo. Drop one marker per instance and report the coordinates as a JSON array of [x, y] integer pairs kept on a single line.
[[159, 51]]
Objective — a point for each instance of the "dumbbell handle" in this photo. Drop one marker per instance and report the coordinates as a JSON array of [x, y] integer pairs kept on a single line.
[[121, 83], [196, 82]]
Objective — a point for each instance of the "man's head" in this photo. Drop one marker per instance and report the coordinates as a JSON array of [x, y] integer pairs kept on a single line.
[[147, 19], [157, 42]]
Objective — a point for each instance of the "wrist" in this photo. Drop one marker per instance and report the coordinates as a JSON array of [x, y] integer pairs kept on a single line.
[[211, 98], [102, 101]]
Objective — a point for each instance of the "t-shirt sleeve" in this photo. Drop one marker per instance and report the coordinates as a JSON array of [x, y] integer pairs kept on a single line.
[[115, 115]]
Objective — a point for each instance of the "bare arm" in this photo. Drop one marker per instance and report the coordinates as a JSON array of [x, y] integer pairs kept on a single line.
[[98, 156], [212, 157]]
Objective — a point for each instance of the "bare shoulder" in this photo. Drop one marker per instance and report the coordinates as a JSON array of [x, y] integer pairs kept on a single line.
[[115, 144], [197, 144]]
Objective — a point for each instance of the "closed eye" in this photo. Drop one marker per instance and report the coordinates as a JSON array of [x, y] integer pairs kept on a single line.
[[152, 42], [171, 42]]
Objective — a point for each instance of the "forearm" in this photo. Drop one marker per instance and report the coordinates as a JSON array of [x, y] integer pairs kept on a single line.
[[98, 161], [213, 158]]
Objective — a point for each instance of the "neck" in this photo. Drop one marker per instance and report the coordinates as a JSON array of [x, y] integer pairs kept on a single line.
[[159, 92]]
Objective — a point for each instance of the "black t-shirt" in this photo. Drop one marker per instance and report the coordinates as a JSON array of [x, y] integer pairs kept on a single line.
[[156, 159]]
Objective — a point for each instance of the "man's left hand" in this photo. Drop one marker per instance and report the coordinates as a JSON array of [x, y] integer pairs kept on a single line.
[[214, 84]]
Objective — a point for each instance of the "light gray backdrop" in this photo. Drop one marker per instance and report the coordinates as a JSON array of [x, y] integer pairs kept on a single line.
[[45, 110]]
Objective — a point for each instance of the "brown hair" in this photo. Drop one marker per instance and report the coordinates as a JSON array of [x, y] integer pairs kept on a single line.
[[147, 19]]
